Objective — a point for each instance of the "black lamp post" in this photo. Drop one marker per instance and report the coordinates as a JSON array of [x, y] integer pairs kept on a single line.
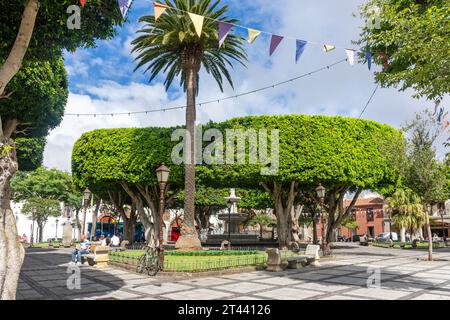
[[86, 196], [162, 174], [321, 195]]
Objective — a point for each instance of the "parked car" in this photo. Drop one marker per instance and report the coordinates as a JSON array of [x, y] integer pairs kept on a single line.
[[386, 236]]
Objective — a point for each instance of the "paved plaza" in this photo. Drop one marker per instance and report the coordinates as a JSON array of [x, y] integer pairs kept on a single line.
[[404, 276]]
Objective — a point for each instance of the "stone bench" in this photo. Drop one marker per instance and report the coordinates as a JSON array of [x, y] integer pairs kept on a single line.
[[310, 257], [363, 241], [99, 258]]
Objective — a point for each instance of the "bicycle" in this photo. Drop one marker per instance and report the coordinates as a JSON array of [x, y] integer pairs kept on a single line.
[[149, 261]]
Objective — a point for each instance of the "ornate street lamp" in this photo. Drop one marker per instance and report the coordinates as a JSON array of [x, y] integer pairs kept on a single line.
[[442, 214], [321, 195], [162, 174], [86, 196]]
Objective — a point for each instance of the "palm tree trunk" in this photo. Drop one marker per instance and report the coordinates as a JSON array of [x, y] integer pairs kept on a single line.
[[430, 237], [189, 239]]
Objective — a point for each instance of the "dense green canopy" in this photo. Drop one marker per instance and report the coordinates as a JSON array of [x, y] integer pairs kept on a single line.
[[30, 152], [38, 98], [123, 155], [312, 149], [51, 35], [411, 42]]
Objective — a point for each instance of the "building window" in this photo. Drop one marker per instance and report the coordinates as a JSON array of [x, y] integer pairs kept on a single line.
[[369, 214]]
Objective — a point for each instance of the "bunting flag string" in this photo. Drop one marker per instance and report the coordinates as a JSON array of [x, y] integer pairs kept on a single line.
[[253, 34], [301, 45], [159, 10], [350, 56], [224, 30], [327, 67], [275, 42], [197, 20], [124, 5]]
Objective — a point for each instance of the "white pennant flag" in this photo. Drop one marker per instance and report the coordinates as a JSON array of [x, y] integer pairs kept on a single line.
[[197, 20], [351, 56]]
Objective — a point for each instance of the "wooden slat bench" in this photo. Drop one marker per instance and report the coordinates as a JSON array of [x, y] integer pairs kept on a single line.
[[99, 258]]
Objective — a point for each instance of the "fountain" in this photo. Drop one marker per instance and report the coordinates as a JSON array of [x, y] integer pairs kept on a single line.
[[233, 220]]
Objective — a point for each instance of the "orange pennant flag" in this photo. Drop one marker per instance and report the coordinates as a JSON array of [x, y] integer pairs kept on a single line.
[[159, 9]]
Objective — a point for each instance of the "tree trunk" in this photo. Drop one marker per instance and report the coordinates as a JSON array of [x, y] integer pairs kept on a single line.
[[14, 61], [189, 239], [41, 232], [403, 235], [11, 250], [128, 230], [314, 227], [283, 209], [94, 218], [430, 237]]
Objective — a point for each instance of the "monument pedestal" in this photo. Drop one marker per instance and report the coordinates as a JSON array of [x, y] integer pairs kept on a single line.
[[67, 235]]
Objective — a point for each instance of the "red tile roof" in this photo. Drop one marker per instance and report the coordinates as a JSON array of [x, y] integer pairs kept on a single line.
[[376, 201]]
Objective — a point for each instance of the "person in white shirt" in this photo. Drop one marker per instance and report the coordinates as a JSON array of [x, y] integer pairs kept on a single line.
[[115, 241], [103, 241]]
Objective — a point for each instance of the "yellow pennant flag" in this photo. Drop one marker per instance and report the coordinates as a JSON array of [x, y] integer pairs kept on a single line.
[[197, 20], [252, 35], [159, 9], [328, 47]]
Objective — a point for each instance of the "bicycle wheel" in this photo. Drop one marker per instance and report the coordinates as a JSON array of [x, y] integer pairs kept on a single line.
[[153, 265], [141, 265]]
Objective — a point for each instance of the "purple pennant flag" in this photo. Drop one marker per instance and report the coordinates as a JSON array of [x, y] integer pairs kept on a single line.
[[124, 5], [224, 30], [274, 42]]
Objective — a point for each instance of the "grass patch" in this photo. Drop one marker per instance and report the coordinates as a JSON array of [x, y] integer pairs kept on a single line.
[[408, 246], [175, 261]]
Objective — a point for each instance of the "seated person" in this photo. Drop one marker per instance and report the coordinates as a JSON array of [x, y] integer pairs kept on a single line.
[[83, 248], [103, 241], [115, 241]]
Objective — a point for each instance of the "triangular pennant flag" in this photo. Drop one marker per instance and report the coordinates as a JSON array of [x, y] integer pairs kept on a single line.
[[124, 5], [159, 9], [441, 113], [369, 59], [252, 35], [350, 56], [274, 42], [328, 47], [384, 58], [197, 20], [224, 29], [436, 106], [83, 3], [301, 44]]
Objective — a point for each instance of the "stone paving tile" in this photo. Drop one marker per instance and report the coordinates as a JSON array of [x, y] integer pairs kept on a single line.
[[245, 298], [289, 294], [333, 272], [409, 286], [326, 287], [280, 281], [244, 287], [310, 276], [248, 276], [384, 276], [347, 280], [206, 282], [123, 295], [198, 294], [341, 297], [379, 293], [428, 296], [164, 288], [30, 294]]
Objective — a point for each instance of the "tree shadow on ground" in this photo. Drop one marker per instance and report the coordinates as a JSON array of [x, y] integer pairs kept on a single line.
[[45, 274]]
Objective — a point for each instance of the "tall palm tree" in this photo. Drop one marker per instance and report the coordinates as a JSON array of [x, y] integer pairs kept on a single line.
[[171, 46], [406, 211]]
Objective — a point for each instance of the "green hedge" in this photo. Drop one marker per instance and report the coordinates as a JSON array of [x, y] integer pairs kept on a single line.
[[210, 253]]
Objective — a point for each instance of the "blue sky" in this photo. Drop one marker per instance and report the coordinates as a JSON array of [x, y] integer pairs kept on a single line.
[[102, 80]]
